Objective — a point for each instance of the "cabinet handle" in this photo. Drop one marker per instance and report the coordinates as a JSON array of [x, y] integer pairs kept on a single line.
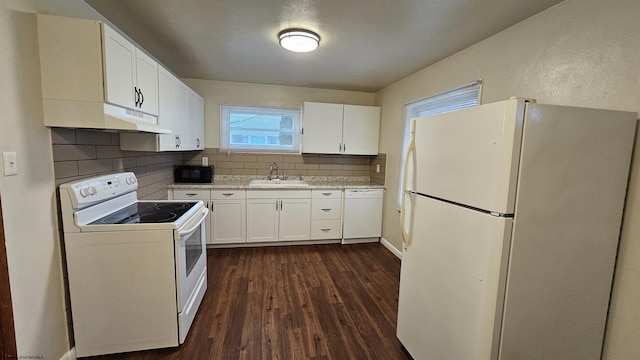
[[177, 141], [344, 147], [325, 230], [191, 194], [326, 194], [276, 205], [136, 96], [326, 210], [197, 142], [227, 194], [141, 97], [280, 205], [340, 147]]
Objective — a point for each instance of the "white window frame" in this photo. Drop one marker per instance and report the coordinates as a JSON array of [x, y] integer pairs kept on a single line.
[[455, 99], [227, 145]]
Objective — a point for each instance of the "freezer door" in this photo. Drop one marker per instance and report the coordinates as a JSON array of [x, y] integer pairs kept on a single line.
[[452, 282], [469, 156]]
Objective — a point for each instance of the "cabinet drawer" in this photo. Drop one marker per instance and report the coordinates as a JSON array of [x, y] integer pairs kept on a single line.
[[326, 194], [326, 209], [278, 194], [187, 194], [228, 194], [325, 229]]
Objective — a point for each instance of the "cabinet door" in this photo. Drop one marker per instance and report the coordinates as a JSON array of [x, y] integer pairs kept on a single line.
[[166, 109], [196, 121], [228, 222], [322, 128], [181, 127], [147, 83], [262, 220], [295, 219], [361, 128], [119, 68]]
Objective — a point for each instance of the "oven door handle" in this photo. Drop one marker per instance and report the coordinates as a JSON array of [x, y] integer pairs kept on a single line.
[[192, 229]]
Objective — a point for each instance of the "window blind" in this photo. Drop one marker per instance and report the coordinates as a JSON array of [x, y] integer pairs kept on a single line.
[[455, 99]]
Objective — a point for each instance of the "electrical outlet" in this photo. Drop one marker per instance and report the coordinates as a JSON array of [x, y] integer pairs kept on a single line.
[[10, 163], [377, 168]]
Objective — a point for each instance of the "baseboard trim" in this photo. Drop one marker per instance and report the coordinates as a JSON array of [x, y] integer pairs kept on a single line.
[[391, 248], [70, 355]]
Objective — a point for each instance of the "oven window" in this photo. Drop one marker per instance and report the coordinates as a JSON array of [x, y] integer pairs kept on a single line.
[[193, 249]]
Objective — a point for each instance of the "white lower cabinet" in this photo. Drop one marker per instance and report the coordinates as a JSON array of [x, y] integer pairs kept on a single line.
[[239, 216], [282, 215], [227, 213], [326, 214], [228, 210]]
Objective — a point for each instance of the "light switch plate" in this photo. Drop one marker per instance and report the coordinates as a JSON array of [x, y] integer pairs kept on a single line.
[[10, 163]]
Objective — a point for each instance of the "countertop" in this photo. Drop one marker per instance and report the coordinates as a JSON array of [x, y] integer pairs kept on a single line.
[[313, 184]]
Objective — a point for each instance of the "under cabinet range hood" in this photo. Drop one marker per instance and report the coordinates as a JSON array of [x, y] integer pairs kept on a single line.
[[99, 116], [94, 78]]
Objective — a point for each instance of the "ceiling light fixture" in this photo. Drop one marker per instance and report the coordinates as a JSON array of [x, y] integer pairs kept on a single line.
[[299, 40]]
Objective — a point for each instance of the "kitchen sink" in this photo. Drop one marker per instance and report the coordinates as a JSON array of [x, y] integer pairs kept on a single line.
[[277, 183]]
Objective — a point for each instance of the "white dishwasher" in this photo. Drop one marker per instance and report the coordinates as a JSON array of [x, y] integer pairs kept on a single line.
[[362, 215]]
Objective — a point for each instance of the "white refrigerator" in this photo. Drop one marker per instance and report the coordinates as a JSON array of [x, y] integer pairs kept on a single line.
[[511, 217]]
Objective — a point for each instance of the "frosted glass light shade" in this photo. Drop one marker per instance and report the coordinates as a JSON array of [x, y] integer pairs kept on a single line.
[[299, 40]]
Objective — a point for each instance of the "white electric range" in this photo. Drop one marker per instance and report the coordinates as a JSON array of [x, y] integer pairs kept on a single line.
[[137, 269]]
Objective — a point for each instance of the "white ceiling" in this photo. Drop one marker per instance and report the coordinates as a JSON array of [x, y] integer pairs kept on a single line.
[[366, 44]]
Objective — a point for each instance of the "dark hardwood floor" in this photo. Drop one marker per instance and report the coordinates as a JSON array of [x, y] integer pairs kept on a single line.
[[294, 302]]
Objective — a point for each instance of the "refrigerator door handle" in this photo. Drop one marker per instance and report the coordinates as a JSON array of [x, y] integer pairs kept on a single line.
[[406, 192]]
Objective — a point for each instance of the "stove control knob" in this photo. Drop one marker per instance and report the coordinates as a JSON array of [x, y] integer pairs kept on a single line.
[[92, 190], [84, 192], [130, 180]]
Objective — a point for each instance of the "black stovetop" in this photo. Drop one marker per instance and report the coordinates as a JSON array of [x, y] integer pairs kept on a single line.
[[147, 213]]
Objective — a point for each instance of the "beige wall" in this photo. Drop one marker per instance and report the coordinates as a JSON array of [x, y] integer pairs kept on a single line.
[[28, 199], [580, 53], [216, 93]]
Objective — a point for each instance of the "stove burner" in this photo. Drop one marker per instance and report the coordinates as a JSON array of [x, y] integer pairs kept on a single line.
[[147, 213]]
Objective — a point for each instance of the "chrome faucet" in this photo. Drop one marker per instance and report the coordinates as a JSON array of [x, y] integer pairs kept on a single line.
[[272, 167]]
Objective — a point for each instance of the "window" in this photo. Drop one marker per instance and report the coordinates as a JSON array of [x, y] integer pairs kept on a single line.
[[259, 129], [459, 98]]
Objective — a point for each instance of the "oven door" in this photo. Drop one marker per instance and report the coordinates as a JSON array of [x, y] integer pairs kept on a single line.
[[191, 269]]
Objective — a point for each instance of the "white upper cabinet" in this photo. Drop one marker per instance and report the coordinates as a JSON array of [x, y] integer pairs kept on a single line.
[[360, 130], [196, 121], [181, 110], [322, 128], [166, 109], [131, 76], [340, 129], [182, 129]]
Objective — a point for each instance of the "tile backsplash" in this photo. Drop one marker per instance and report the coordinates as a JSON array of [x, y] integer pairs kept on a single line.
[[79, 153], [292, 164]]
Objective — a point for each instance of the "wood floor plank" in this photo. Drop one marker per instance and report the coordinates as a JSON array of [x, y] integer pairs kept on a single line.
[[328, 302]]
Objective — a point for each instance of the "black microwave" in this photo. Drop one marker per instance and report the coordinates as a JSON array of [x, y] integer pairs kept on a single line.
[[193, 174]]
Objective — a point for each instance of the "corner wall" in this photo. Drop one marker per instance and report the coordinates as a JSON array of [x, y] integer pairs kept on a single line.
[[28, 199], [579, 53]]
